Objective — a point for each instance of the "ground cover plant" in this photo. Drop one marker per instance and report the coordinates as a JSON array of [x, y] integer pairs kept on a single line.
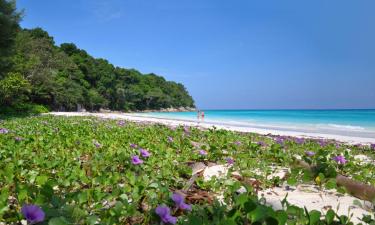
[[59, 170]]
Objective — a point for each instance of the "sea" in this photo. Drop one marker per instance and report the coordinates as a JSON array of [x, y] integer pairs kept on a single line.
[[353, 122]]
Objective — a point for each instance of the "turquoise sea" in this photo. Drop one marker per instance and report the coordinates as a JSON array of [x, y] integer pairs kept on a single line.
[[359, 123]]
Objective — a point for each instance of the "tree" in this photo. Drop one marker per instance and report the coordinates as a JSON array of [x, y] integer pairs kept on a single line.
[[9, 25], [56, 80], [65, 77], [94, 100], [14, 89]]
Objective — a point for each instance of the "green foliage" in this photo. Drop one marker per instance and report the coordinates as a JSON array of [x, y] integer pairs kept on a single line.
[[14, 89], [66, 77], [57, 166], [22, 109], [9, 19]]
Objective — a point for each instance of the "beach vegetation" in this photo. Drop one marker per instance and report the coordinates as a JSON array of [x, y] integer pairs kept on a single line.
[[67, 170]]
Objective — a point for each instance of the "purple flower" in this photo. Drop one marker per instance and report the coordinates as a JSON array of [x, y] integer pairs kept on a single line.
[[280, 140], [165, 214], [136, 160], [202, 152], [18, 139], [121, 123], [261, 143], [238, 143], [4, 131], [144, 153], [300, 141], [133, 146], [96, 143], [33, 213], [179, 201], [195, 144], [186, 129], [170, 139], [372, 146], [309, 153], [229, 160], [340, 159], [322, 142]]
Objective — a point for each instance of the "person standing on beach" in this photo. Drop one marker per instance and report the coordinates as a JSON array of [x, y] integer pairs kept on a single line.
[[198, 115], [202, 115]]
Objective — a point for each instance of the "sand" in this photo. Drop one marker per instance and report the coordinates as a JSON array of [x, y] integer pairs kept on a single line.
[[177, 122], [305, 195]]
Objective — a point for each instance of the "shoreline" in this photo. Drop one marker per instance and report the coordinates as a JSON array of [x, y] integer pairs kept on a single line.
[[206, 125]]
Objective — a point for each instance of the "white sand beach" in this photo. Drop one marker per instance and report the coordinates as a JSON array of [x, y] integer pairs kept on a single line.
[[207, 124]]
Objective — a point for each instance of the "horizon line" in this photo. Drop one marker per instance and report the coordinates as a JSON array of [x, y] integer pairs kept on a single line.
[[292, 109]]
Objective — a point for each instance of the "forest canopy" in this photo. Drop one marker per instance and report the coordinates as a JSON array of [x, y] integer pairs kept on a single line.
[[36, 71]]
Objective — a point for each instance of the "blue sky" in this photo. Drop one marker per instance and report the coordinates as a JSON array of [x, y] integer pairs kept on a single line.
[[236, 54]]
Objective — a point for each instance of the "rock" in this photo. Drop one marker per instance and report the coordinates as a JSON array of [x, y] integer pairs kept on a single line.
[[198, 167]]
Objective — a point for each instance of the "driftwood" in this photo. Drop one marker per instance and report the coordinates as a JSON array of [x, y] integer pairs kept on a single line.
[[357, 189]]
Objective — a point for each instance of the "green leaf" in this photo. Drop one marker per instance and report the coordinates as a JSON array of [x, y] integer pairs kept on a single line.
[[321, 177], [294, 210], [314, 217], [249, 206], [271, 221], [357, 202], [229, 222], [22, 195], [241, 199], [82, 197], [58, 221], [194, 220], [153, 185], [41, 180], [258, 214], [281, 217], [330, 215], [292, 181], [331, 184], [307, 176], [343, 219]]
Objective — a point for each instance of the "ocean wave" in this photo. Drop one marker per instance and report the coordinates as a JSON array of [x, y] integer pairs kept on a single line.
[[294, 126], [341, 127], [278, 125]]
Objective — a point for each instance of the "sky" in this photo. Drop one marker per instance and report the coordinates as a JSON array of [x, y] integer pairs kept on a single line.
[[239, 54]]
